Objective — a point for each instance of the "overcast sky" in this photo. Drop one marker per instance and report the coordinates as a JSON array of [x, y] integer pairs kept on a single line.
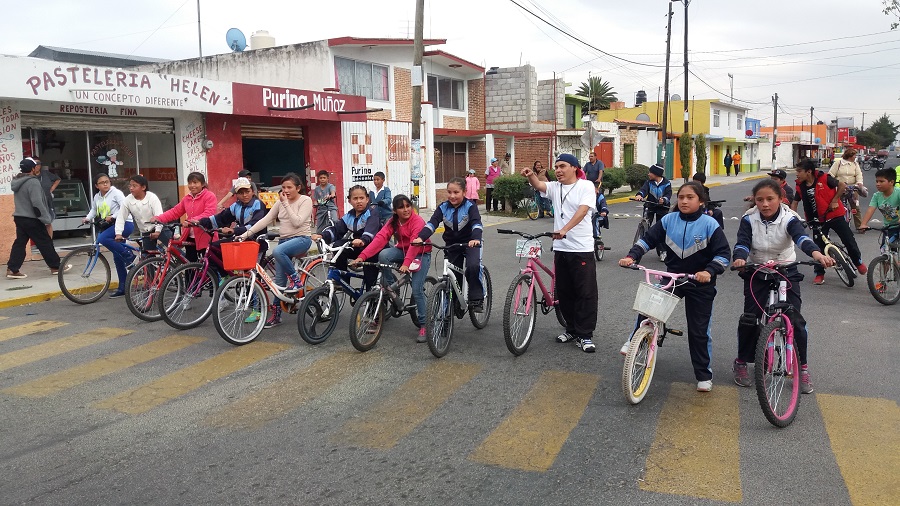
[[858, 73]]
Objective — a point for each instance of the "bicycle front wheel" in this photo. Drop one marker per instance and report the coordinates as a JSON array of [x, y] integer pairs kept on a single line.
[[518, 316], [480, 320], [599, 249], [641, 230], [187, 297], [439, 319], [531, 208], [240, 310], [882, 280], [640, 364], [88, 277], [777, 372], [842, 266], [141, 286], [317, 315], [367, 320]]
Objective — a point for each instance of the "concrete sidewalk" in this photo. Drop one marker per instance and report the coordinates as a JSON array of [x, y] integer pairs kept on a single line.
[[40, 285]]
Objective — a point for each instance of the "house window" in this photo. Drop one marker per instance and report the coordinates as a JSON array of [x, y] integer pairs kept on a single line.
[[740, 121], [570, 115], [729, 119], [446, 93], [716, 114], [361, 78], [450, 161]]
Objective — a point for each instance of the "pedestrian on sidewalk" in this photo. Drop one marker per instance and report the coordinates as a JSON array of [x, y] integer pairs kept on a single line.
[[736, 160], [31, 216], [472, 186], [490, 174], [727, 163]]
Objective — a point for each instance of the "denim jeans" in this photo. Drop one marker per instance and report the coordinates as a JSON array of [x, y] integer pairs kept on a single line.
[[119, 250], [283, 254], [395, 256]]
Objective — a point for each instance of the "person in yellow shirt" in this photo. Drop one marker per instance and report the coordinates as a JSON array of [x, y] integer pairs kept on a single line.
[[736, 160]]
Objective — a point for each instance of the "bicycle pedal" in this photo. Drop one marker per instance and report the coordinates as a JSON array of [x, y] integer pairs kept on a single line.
[[675, 332]]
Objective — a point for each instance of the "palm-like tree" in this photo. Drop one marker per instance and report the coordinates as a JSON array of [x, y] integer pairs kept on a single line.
[[600, 93]]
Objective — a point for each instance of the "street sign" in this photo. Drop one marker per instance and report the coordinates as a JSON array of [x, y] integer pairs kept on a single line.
[[777, 143]]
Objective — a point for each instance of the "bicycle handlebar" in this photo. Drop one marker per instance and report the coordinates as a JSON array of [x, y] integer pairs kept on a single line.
[[645, 202], [523, 234], [774, 265], [451, 246]]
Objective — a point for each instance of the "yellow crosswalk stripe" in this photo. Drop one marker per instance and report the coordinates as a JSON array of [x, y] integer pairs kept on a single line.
[[3, 317], [59, 346], [864, 440], [146, 397], [535, 432], [389, 421], [696, 450], [290, 393], [74, 376], [29, 328]]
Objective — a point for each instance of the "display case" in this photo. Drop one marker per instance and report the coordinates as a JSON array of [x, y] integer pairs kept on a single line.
[[70, 203]]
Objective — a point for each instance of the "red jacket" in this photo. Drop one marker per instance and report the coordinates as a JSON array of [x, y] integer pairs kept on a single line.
[[202, 205], [408, 231], [824, 194]]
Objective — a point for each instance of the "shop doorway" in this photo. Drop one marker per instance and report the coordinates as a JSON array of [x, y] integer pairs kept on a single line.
[[271, 159]]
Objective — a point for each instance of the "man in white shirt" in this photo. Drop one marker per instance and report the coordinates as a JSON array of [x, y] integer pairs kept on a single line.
[[573, 245]]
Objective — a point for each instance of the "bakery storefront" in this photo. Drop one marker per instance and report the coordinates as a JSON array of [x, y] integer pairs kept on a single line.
[[82, 120], [275, 130]]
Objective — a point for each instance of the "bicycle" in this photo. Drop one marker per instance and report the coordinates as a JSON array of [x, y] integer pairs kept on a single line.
[[776, 362], [846, 199], [385, 301], [883, 277], [712, 206], [181, 303], [88, 279], [519, 312], [317, 316], [146, 278], [656, 301], [241, 304], [842, 264], [599, 247], [447, 300], [644, 225]]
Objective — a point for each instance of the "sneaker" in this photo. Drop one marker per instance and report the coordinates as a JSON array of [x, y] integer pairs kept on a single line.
[[586, 345], [819, 280], [565, 337], [705, 386], [253, 318], [477, 306], [293, 285], [116, 294], [741, 376], [273, 321], [67, 268], [862, 269], [15, 275], [421, 337], [805, 385], [624, 349]]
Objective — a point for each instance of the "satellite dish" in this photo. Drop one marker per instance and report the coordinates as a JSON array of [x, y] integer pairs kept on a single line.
[[643, 117], [676, 97], [236, 40]]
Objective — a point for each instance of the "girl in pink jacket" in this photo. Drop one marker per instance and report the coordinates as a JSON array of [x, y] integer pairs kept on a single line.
[[198, 203], [472, 186]]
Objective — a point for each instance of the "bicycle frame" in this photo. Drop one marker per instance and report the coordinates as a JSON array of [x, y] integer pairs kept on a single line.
[[530, 269]]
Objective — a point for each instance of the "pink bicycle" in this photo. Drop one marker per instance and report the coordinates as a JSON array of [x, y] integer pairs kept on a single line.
[[777, 366], [657, 302], [519, 314]]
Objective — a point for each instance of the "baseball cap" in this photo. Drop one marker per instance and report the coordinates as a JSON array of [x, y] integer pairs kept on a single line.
[[493, 160], [242, 182], [471, 171], [779, 174], [27, 165]]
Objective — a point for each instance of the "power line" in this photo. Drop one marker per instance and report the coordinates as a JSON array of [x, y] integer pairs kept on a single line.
[[720, 93], [158, 27]]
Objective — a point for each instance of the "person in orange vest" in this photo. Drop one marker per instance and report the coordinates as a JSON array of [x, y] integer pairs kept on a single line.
[[736, 160]]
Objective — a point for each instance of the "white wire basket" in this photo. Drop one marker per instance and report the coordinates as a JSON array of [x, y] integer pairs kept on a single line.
[[654, 302]]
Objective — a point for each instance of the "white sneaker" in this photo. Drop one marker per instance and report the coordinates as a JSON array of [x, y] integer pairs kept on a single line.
[[704, 386], [624, 349], [565, 337]]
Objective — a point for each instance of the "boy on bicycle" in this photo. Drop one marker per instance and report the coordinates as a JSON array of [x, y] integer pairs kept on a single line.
[[601, 219], [575, 269], [886, 200], [236, 219], [323, 198], [656, 189]]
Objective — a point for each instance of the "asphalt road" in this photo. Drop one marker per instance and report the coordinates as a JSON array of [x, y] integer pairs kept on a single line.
[[98, 416]]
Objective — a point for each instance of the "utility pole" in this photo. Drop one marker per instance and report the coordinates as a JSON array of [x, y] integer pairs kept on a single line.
[[199, 38], [812, 136], [666, 87], [418, 78], [863, 126], [774, 130], [731, 84], [686, 116]]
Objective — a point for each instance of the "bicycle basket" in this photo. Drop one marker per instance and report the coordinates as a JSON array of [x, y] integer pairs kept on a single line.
[[654, 302], [239, 256]]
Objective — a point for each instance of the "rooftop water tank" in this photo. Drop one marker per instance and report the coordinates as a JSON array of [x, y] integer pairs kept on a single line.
[[261, 40], [640, 98]]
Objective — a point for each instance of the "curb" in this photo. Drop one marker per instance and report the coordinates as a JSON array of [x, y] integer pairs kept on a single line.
[[29, 299]]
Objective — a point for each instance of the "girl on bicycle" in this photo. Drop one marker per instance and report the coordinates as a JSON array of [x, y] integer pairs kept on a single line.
[[141, 206], [696, 245], [198, 203], [104, 208], [294, 212], [363, 222], [462, 225], [404, 226], [767, 233], [245, 212]]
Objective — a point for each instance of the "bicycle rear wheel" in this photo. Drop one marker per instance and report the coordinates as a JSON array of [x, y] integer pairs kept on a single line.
[[640, 364], [531, 208], [883, 281], [318, 315], [842, 266], [187, 296], [430, 281], [367, 320], [777, 372], [88, 277], [240, 310], [480, 320], [641, 230], [518, 318], [141, 286], [439, 319]]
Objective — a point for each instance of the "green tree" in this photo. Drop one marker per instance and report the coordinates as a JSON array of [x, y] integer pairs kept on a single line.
[[892, 8], [866, 138], [700, 149], [600, 93], [885, 130], [684, 154]]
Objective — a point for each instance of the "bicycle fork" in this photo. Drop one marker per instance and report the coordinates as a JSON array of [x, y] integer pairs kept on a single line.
[[785, 357]]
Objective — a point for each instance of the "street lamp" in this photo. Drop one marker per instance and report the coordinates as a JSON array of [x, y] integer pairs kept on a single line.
[[731, 80]]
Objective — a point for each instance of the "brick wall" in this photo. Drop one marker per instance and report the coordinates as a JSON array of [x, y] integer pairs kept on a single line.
[[529, 150], [476, 104], [509, 100], [402, 94], [385, 114], [455, 122]]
